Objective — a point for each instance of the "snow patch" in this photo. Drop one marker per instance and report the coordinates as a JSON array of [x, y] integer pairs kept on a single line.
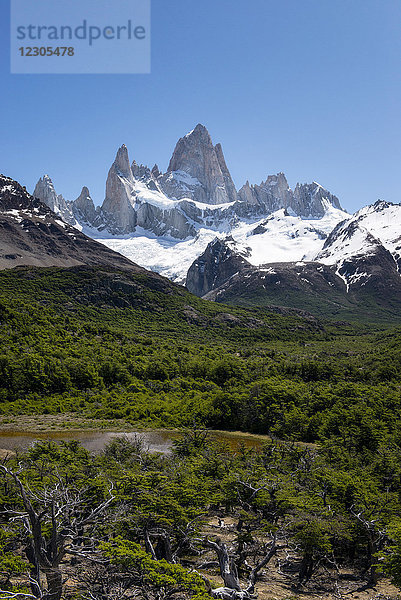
[[186, 179]]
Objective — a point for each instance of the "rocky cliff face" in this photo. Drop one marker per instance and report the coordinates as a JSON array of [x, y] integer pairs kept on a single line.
[[198, 171], [45, 191], [84, 209], [118, 206], [263, 199], [310, 200], [220, 261]]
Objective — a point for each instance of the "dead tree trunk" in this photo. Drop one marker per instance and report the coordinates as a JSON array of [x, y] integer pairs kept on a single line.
[[163, 548], [256, 570], [54, 580], [148, 544], [228, 569]]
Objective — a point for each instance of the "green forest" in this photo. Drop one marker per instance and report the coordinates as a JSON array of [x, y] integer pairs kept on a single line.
[[317, 508]]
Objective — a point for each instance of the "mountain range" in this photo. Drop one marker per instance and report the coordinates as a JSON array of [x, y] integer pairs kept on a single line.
[[263, 243], [196, 191]]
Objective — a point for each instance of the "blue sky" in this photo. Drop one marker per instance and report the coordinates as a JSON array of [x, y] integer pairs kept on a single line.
[[308, 87]]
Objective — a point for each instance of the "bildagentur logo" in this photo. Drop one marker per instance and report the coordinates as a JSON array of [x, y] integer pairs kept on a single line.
[[81, 36]]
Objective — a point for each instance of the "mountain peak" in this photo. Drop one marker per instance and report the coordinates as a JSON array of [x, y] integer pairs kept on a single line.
[[209, 179], [84, 195], [44, 190], [7, 182], [117, 206], [46, 179], [84, 207], [311, 200], [278, 180], [382, 204], [220, 261], [199, 130], [13, 195], [121, 163]]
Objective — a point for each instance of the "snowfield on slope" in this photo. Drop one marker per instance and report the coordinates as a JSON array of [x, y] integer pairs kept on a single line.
[[360, 235], [345, 246], [383, 220], [284, 239], [165, 255]]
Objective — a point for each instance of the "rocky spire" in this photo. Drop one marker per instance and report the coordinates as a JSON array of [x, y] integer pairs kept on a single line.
[[269, 196], [198, 170], [121, 164], [44, 190], [228, 182], [247, 195], [141, 172], [155, 171], [118, 203], [311, 200], [83, 207]]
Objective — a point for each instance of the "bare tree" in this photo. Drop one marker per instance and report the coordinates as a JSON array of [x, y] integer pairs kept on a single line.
[[374, 534], [228, 570], [64, 512]]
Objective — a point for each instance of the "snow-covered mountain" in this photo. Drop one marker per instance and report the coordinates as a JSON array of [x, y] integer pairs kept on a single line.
[[361, 234], [308, 200], [263, 243], [164, 221], [357, 271]]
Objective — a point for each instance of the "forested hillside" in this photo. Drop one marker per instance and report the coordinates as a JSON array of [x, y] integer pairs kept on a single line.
[[315, 511], [116, 345]]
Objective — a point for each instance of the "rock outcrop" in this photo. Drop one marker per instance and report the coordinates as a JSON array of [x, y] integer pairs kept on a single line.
[[310, 200], [221, 260], [198, 171], [45, 191], [84, 209], [263, 199], [118, 206]]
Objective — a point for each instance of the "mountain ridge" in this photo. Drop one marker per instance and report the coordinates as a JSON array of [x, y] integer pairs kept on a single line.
[[191, 225], [32, 234], [193, 201], [198, 173]]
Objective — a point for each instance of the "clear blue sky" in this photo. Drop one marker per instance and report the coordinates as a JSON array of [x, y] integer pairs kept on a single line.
[[308, 87]]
